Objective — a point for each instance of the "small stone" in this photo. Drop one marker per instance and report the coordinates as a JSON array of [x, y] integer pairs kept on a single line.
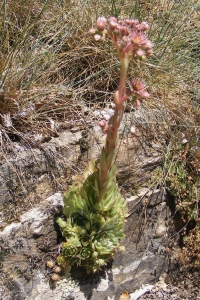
[[166, 278], [50, 264], [57, 269], [55, 277], [75, 129], [132, 129], [124, 296], [160, 231]]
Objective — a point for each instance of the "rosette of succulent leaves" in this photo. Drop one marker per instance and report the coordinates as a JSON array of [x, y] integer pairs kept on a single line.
[[95, 211]]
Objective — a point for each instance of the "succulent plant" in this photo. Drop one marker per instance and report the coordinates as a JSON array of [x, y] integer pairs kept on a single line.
[[93, 228], [95, 211]]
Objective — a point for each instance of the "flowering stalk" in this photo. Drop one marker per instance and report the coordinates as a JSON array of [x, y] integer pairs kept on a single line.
[[131, 42], [113, 126], [95, 210]]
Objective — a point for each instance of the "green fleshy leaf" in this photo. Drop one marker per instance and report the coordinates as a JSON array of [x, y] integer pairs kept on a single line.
[[61, 223], [98, 206], [96, 188], [111, 157], [107, 192], [90, 169], [112, 173]]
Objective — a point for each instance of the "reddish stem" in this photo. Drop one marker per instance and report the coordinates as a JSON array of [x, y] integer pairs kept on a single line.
[[115, 120]]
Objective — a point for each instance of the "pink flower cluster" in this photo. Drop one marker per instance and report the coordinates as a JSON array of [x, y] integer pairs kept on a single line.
[[128, 35], [131, 41]]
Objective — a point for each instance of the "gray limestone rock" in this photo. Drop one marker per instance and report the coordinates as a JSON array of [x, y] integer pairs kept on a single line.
[[30, 185], [28, 244]]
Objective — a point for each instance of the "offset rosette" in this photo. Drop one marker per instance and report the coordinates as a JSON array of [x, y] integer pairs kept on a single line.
[[71, 247]]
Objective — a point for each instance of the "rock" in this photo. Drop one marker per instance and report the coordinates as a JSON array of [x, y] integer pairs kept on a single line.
[[104, 114], [33, 175], [27, 245], [29, 236], [24, 245]]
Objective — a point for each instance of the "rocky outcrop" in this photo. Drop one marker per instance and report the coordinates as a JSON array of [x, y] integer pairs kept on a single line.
[[31, 184], [28, 244], [31, 175]]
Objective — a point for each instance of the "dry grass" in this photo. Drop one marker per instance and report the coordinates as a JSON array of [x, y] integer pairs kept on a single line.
[[48, 61]]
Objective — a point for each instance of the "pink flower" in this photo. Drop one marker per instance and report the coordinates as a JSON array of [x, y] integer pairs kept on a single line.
[[137, 85], [138, 89], [137, 39]]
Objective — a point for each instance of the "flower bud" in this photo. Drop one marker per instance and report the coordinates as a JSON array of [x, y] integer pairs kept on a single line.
[[102, 123], [127, 22], [113, 19], [113, 24], [144, 95], [104, 126], [124, 30], [95, 254], [147, 44], [116, 98], [105, 130], [150, 52], [144, 25], [128, 92], [97, 37], [101, 23], [91, 30], [140, 53], [137, 103]]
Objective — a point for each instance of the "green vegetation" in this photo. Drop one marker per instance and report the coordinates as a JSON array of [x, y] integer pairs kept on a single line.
[[179, 173]]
